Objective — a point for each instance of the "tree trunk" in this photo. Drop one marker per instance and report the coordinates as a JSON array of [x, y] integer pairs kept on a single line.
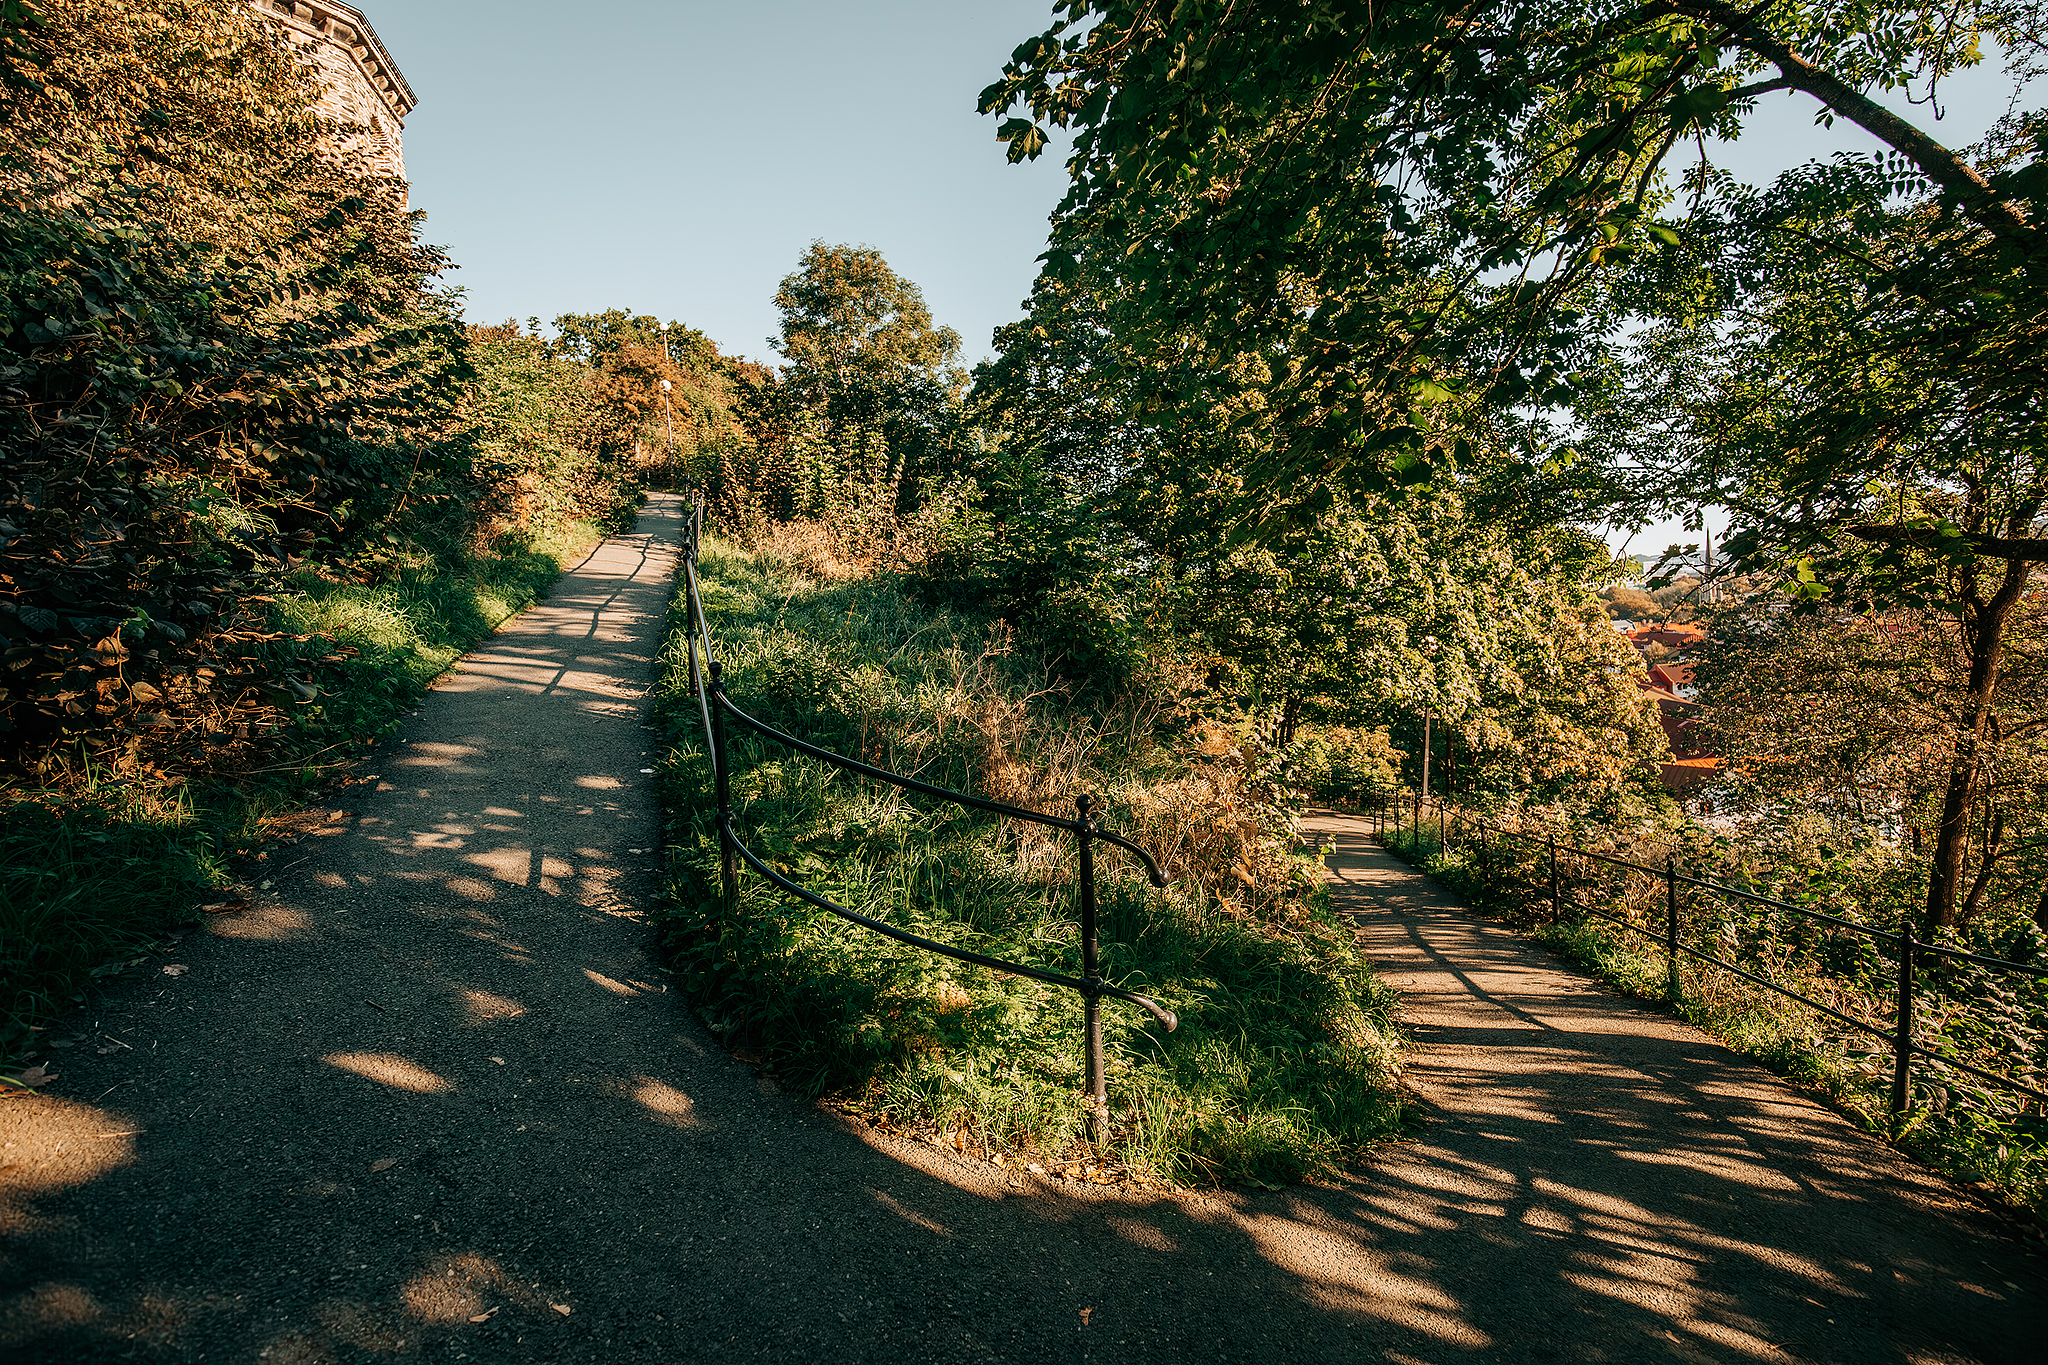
[[1425, 753], [1983, 637], [1290, 716]]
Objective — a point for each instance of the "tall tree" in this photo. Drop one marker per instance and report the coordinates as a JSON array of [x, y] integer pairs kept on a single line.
[[1443, 197], [1856, 374], [867, 362]]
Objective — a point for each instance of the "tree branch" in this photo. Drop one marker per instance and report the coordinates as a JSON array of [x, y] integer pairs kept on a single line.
[[1995, 212], [2033, 549]]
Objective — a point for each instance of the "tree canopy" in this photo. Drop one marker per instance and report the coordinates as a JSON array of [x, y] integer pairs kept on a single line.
[[1409, 212]]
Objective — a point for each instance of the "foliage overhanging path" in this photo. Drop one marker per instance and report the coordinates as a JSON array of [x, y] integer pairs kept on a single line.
[[1646, 1179]]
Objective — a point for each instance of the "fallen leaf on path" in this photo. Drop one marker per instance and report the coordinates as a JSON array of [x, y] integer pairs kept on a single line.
[[35, 1076], [499, 1060], [176, 969], [1086, 1313], [485, 1316], [384, 1163], [561, 1308], [224, 907]]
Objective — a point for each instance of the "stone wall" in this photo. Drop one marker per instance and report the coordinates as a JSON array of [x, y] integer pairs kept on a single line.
[[363, 84]]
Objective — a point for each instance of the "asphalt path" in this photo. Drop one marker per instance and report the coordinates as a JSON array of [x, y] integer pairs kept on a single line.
[[429, 1099]]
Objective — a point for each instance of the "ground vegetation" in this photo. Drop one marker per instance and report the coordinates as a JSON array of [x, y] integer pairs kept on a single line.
[[1284, 1061]]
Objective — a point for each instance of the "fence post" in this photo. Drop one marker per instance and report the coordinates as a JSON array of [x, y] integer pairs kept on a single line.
[[1098, 1089], [729, 876], [1556, 893], [1902, 1040], [1671, 927], [690, 643]]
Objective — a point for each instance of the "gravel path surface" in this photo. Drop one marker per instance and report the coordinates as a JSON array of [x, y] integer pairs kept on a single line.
[[429, 1101]]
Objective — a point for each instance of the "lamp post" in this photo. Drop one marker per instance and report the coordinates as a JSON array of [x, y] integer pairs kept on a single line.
[[668, 423]]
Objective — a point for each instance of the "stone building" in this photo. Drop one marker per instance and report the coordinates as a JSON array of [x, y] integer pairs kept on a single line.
[[363, 84]]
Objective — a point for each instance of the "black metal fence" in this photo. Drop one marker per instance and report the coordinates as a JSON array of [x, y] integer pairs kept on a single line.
[[707, 685], [1908, 951]]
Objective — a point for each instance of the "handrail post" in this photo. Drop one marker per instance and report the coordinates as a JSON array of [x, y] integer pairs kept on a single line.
[[1671, 927], [690, 644], [1098, 1085], [1556, 893], [1902, 1039], [729, 877]]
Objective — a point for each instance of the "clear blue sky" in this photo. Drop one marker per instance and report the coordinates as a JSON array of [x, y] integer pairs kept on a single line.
[[675, 157]]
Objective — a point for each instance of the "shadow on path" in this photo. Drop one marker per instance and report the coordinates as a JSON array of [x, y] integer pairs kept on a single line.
[[434, 1077]]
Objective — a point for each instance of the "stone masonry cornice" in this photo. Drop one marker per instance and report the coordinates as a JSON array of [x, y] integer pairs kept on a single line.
[[344, 26]]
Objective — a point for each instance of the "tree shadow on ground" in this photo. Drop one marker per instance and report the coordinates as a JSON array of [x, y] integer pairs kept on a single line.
[[432, 1092]]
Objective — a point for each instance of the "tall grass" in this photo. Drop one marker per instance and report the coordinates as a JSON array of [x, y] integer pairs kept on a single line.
[[98, 863], [1284, 1062], [1953, 1122]]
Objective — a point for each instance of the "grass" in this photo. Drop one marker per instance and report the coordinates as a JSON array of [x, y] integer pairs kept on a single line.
[[1284, 1063], [1954, 1124], [97, 866]]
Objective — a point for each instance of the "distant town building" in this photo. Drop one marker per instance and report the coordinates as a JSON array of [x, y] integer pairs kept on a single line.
[[1669, 683], [362, 84]]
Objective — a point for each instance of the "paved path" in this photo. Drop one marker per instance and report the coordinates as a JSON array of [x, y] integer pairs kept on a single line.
[[433, 1076], [1595, 1176]]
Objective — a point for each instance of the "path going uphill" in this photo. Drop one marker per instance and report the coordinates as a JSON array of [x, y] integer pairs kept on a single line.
[[428, 1100]]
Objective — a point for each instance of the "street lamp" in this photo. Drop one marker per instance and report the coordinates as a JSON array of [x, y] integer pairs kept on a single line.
[[668, 422]]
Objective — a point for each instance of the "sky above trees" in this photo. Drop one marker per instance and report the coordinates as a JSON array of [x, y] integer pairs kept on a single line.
[[681, 156]]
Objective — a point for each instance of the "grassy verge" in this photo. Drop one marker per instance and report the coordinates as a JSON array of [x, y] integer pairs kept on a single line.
[[1958, 1127], [97, 866], [1284, 1062]]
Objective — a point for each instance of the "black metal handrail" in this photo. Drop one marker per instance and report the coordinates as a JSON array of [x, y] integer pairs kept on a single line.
[[1909, 948], [715, 707]]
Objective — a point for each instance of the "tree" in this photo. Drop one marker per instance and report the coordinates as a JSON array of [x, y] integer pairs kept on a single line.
[[1453, 199], [1854, 370], [864, 360], [1407, 211], [220, 347], [1110, 529]]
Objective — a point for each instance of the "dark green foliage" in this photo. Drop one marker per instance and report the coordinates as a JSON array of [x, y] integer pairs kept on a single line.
[[80, 887], [218, 352]]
